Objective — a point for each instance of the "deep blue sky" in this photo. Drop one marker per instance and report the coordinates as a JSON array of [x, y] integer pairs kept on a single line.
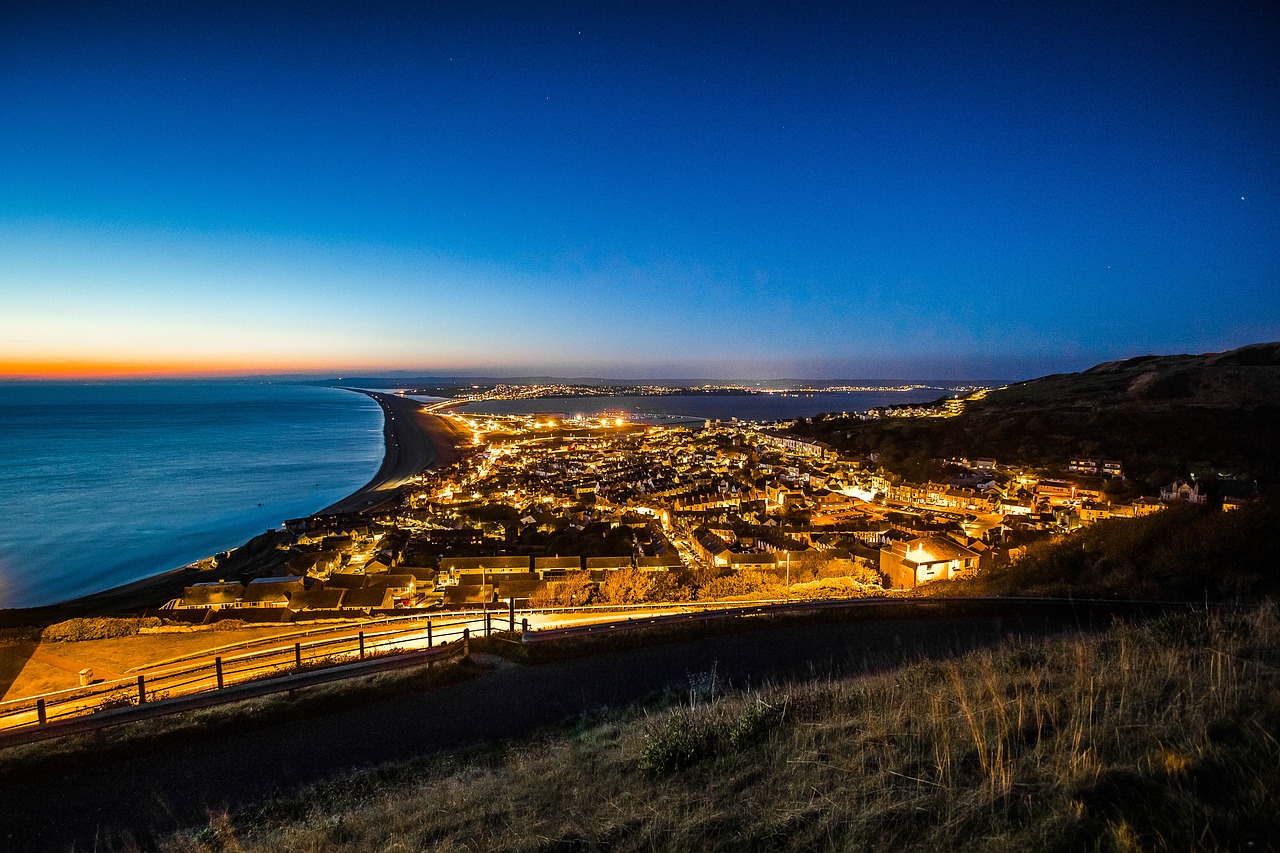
[[947, 190]]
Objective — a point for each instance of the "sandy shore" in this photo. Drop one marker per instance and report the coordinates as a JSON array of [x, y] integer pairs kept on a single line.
[[415, 441]]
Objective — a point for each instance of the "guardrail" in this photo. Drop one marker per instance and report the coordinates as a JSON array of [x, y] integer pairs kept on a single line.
[[248, 690], [261, 658], [779, 608], [287, 666], [220, 672]]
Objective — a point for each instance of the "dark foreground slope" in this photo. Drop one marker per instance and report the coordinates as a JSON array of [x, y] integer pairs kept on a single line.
[[1163, 416], [1159, 737], [109, 797]]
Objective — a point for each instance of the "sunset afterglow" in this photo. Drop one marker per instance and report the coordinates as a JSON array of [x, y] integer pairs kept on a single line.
[[632, 193]]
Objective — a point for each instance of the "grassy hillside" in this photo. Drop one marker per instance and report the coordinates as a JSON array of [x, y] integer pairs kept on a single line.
[[1160, 737], [1163, 416], [1184, 553]]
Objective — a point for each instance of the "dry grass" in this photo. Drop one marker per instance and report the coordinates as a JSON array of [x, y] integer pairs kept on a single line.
[[1162, 737]]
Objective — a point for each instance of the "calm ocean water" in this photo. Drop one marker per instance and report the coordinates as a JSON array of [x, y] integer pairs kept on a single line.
[[103, 484], [753, 407]]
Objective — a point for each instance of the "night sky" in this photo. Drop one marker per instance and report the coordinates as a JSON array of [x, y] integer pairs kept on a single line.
[[635, 190]]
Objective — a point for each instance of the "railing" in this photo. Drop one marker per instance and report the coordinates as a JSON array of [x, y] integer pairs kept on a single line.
[[271, 657], [220, 672], [247, 690], [997, 605], [734, 610], [245, 670]]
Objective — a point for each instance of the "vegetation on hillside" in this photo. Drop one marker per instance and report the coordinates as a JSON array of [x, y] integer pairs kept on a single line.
[[1163, 417], [1160, 737], [1184, 553], [96, 628]]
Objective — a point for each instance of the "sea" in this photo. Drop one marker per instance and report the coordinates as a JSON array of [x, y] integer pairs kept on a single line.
[[104, 484]]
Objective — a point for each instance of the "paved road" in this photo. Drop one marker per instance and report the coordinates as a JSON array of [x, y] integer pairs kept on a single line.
[[74, 802], [196, 672]]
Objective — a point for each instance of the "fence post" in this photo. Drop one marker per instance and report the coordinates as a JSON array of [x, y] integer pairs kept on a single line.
[[41, 714], [488, 625], [466, 642], [297, 655], [217, 663], [142, 689], [362, 645], [512, 610], [524, 628], [428, 633]]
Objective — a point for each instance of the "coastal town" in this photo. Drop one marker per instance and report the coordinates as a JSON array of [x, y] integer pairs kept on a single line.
[[549, 510]]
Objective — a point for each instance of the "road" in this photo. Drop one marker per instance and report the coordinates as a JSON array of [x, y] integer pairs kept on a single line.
[[179, 783], [197, 672]]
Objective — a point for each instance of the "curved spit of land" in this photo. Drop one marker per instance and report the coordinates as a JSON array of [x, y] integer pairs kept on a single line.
[[416, 439]]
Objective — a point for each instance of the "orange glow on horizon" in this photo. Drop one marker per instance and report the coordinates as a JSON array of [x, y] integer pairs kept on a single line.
[[169, 369]]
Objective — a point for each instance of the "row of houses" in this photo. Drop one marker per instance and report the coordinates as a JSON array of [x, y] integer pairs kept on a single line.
[[480, 579], [550, 568], [340, 592], [485, 580], [796, 445]]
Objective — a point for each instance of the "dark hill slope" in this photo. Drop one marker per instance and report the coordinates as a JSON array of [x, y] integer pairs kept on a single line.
[[1187, 553], [1163, 416]]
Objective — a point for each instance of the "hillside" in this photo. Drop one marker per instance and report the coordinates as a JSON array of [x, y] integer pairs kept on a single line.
[[1186, 553], [1164, 417], [1152, 737]]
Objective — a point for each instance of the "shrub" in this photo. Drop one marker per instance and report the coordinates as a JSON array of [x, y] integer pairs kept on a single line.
[[96, 628], [576, 590], [627, 586], [686, 737], [117, 699]]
